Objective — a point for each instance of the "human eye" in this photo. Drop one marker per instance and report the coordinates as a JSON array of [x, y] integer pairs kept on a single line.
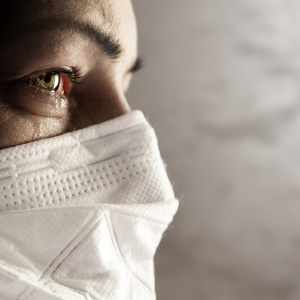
[[45, 93], [58, 80], [48, 81]]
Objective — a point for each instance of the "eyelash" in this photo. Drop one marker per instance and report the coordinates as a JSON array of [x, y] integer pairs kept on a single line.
[[73, 74], [138, 65]]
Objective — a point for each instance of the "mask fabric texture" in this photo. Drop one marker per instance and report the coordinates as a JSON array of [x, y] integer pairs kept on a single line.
[[83, 213]]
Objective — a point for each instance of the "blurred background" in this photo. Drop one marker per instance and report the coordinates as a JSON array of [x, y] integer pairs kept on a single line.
[[221, 86]]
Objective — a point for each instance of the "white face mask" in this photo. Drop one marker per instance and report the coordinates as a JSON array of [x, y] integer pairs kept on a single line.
[[82, 214]]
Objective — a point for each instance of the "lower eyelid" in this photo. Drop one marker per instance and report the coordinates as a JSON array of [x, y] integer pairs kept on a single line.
[[37, 101], [64, 87]]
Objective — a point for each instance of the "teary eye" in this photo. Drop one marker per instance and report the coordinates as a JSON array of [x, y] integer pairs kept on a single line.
[[47, 81], [58, 80]]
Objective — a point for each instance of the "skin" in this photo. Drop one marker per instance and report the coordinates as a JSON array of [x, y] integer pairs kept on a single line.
[[35, 40]]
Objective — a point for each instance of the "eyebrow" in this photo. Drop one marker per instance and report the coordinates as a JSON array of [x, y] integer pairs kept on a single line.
[[107, 41], [110, 46]]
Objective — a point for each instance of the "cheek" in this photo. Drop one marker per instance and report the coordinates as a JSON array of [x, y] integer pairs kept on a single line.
[[19, 127], [14, 129], [28, 113], [35, 100]]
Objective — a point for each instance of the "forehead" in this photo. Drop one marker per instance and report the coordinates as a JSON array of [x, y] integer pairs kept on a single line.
[[104, 13], [115, 17]]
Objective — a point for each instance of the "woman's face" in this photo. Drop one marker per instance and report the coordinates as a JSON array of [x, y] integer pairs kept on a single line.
[[64, 65]]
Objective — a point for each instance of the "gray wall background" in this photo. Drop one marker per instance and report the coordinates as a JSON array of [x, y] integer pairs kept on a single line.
[[221, 87]]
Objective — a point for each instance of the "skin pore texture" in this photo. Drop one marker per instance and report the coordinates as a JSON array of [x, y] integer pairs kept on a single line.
[[86, 48]]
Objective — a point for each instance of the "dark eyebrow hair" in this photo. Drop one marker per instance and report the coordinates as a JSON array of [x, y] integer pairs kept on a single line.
[[111, 47], [107, 41]]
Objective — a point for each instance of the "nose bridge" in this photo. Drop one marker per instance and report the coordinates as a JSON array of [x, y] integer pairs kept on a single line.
[[97, 104]]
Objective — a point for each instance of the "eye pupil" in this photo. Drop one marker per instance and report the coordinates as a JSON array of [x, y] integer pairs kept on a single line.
[[47, 78], [48, 81]]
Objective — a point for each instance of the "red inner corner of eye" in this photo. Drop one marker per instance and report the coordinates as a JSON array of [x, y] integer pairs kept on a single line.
[[64, 85]]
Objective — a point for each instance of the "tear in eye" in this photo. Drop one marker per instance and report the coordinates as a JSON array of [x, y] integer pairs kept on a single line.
[[47, 81]]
